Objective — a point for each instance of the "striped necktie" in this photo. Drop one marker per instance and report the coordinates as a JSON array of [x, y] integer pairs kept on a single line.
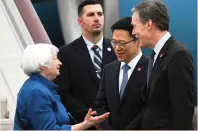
[[97, 62]]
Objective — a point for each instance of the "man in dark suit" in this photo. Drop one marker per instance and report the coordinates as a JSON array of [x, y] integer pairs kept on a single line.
[[169, 94], [83, 61], [120, 92]]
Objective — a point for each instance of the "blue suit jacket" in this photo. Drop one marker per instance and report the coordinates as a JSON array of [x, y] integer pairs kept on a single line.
[[39, 107]]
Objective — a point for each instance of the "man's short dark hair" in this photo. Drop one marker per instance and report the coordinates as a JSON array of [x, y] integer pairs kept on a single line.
[[123, 24], [154, 10], [86, 2]]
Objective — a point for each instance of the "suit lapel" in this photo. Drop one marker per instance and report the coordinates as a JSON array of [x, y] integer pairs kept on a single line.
[[85, 56], [156, 65], [108, 52], [162, 54], [137, 74], [115, 83]]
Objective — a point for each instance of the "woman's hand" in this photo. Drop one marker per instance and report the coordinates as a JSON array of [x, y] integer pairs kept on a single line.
[[90, 120], [94, 121]]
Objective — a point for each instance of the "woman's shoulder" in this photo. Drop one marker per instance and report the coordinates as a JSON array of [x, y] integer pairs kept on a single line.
[[31, 87]]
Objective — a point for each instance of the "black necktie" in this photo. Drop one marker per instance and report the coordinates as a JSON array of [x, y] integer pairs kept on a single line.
[[97, 62], [150, 66]]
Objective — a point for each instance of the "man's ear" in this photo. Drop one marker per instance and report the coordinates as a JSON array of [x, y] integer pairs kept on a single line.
[[149, 24], [80, 22]]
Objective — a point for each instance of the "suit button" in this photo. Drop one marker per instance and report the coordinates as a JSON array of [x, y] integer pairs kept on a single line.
[[118, 114]]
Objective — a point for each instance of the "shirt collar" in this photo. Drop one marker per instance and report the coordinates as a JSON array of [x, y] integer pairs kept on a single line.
[[133, 62], [90, 44], [161, 43]]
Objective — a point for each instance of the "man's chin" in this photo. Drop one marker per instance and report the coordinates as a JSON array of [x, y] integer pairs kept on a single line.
[[96, 32], [120, 59]]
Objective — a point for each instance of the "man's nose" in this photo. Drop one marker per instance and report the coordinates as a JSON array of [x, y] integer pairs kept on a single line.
[[97, 17], [133, 32]]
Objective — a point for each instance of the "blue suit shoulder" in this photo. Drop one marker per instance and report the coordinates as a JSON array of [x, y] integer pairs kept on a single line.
[[30, 87]]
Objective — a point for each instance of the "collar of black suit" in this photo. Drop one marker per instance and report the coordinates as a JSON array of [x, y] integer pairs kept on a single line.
[[167, 45], [161, 43], [107, 52], [84, 55], [162, 54], [139, 69], [141, 63], [134, 61], [89, 44], [106, 44]]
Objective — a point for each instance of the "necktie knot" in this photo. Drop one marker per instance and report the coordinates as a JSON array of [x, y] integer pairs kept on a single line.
[[95, 48], [126, 67]]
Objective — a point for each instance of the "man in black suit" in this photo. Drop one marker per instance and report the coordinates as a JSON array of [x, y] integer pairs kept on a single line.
[[83, 61], [120, 91], [169, 94]]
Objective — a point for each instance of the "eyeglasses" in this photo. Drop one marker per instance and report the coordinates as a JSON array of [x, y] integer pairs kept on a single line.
[[121, 44]]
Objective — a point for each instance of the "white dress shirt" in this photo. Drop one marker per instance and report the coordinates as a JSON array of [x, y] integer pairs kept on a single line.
[[90, 45], [160, 44], [132, 64]]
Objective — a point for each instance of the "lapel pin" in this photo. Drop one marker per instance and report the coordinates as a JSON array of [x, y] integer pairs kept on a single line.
[[161, 55], [109, 49], [139, 69]]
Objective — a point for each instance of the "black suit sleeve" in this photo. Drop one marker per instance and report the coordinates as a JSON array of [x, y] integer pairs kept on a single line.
[[75, 106], [180, 78], [101, 103]]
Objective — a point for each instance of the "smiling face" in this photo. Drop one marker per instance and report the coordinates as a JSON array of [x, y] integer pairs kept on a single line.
[[141, 30], [53, 70], [127, 50], [92, 19]]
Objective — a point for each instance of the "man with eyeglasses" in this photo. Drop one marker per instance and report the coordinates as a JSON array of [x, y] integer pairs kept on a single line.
[[122, 81]]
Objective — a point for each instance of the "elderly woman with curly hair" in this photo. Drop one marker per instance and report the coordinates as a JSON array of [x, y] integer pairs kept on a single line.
[[38, 104]]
